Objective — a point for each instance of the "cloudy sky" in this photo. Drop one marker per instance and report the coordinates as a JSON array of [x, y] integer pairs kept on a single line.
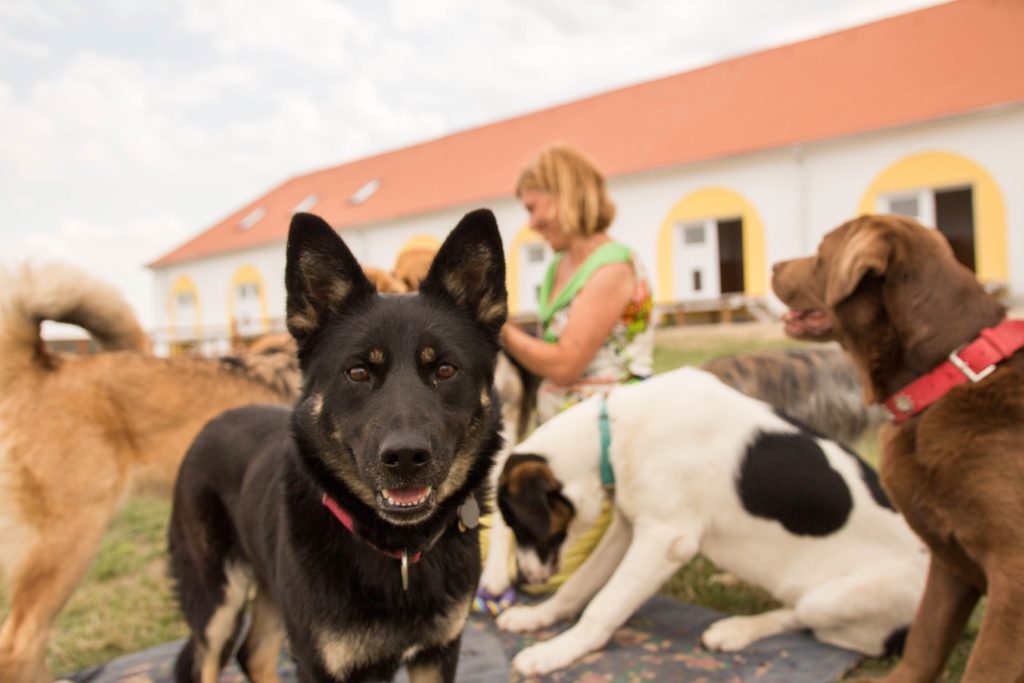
[[128, 126]]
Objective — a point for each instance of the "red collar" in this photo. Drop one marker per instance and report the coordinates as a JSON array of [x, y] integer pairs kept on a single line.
[[346, 519], [971, 362]]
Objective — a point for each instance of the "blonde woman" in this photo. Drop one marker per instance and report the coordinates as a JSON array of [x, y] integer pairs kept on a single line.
[[595, 301], [595, 312]]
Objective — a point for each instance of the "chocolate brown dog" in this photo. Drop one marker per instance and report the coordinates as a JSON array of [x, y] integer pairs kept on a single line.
[[892, 293]]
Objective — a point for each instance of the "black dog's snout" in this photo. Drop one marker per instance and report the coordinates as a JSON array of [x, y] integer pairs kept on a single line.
[[405, 457]]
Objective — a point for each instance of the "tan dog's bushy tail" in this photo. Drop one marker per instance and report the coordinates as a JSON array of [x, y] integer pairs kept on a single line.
[[30, 294]]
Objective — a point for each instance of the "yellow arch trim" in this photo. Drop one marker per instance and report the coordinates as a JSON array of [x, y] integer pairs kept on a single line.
[[526, 235], [181, 285], [421, 242], [713, 202], [243, 276], [936, 169]]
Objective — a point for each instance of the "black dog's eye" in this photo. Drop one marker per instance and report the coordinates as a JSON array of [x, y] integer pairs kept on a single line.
[[444, 371], [358, 374]]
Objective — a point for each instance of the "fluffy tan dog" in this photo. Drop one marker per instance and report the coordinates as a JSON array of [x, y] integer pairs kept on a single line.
[[78, 434]]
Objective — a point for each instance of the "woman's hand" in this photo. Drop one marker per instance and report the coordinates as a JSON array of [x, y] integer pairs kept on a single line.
[[592, 316]]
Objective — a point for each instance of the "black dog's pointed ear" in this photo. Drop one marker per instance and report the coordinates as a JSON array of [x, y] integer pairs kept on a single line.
[[469, 270], [321, 275]]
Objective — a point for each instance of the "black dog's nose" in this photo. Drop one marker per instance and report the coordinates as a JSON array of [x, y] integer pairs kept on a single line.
[[404, 457]]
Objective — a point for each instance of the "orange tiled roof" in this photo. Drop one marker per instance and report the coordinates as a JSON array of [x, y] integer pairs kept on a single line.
[[935, 62]]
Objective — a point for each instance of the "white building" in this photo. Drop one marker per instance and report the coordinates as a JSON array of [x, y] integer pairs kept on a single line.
[[717, 173]]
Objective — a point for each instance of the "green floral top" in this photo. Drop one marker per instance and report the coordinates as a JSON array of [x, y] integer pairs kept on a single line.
[[626, 356]]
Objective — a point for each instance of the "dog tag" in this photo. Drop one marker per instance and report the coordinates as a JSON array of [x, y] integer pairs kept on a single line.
[[405, 570], [469, 514]]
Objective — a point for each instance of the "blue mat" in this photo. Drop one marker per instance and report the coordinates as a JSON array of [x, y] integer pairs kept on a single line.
[[660, 643]]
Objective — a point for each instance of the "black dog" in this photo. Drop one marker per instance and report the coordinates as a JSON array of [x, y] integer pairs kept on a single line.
[[348, 524]]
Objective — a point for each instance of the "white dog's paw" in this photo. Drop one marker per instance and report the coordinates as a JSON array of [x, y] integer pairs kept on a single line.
[[546, 657], [494, 582], [525, 618], [730, 634]]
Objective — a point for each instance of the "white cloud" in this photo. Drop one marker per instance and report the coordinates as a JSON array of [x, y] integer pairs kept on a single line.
[[317, 34], [36, 13], [20, 47], [98, 113], [119, 144]]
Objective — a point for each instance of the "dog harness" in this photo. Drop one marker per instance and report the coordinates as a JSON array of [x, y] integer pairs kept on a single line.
[[469, 518], [971, 362]]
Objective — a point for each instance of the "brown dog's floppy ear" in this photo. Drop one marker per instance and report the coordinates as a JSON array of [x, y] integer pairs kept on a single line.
[[865, 249]]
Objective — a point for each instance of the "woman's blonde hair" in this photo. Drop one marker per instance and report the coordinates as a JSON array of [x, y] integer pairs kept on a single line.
[[578, 188]]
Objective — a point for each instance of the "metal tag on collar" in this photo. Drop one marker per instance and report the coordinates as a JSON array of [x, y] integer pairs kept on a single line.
[[405, 570], [469, 514]]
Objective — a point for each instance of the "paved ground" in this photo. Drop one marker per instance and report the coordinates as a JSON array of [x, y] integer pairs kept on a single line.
[[659, 643]]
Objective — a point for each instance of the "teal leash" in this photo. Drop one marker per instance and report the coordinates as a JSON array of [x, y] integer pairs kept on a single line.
[[607, 474]]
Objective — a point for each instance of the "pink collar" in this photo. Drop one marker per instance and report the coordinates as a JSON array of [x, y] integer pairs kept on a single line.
[[346, 519], [971, 362]]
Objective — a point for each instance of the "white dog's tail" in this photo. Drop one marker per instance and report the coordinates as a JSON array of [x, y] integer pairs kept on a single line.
[[30, 294]]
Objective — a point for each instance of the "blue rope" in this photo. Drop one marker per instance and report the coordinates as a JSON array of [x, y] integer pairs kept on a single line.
[[607, 474]]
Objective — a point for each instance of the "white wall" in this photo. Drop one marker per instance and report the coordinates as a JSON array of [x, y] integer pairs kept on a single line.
[[800, 193]]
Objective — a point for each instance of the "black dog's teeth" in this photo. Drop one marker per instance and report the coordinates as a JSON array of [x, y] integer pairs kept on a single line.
[[422, 499]]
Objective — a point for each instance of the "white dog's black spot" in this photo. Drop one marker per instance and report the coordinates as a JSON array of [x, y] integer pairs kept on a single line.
[[787, 477], [869, 475]]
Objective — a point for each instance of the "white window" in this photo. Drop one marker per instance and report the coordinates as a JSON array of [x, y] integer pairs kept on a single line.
[[248, 318], [185, 314], [306, 204], [694, 234], [252, 219], [917, 204], [368, 189], [535, 259], [697, 271]]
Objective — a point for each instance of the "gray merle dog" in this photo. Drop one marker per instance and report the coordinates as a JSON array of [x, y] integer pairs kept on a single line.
[[348, 525]]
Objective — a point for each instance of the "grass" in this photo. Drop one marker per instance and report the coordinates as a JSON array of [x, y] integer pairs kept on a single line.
[[686, 352], [125, 603]]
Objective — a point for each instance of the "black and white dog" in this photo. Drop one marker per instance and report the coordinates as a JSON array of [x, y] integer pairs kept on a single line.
[[817, 386], [348, 525], [700, 467]]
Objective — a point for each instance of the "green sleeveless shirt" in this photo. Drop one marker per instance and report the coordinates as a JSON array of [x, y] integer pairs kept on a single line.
[[626, 355]]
